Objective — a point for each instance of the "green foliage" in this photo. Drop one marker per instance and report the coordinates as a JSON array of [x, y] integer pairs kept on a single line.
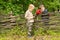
[[20, 6], [39, 31]]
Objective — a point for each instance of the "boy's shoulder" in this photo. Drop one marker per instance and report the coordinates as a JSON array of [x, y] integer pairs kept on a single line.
[[45, 10], [27, 11]]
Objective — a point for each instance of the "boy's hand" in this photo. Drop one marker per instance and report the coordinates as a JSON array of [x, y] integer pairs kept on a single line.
[[33, 16]]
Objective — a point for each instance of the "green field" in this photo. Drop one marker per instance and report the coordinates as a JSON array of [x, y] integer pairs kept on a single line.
[[19, 32]]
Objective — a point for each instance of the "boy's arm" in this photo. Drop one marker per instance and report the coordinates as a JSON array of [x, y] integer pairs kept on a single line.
[[26, 15]]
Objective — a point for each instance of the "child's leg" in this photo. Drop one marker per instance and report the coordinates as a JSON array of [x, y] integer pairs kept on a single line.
[[30, 28]]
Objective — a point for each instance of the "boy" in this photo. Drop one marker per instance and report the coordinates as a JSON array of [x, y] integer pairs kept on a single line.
[[45, 15], [30, 19]]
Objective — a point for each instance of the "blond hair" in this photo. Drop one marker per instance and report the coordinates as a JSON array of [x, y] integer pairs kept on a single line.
[[30, 6], [42, 7]]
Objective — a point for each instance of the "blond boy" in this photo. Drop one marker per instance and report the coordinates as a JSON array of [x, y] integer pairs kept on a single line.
[[30, 18]]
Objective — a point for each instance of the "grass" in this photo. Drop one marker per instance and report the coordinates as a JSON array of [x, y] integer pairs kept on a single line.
[[20, 32], [17, 33], [26, 38]]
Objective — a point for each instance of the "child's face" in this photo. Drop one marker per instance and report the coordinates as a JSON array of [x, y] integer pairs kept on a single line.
[[42, 8], [31, 7]]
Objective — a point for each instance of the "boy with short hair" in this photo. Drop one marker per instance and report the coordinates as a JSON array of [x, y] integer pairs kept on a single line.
[[45, 15], [30, 19]]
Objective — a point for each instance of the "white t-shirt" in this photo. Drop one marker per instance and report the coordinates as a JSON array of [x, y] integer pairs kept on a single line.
[[29, 16]]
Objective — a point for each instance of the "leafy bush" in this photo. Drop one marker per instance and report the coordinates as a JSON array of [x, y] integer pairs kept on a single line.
[[20, 6]]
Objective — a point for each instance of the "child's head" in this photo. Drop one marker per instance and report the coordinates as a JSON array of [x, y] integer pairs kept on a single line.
[[42, 7], [31, 7]]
